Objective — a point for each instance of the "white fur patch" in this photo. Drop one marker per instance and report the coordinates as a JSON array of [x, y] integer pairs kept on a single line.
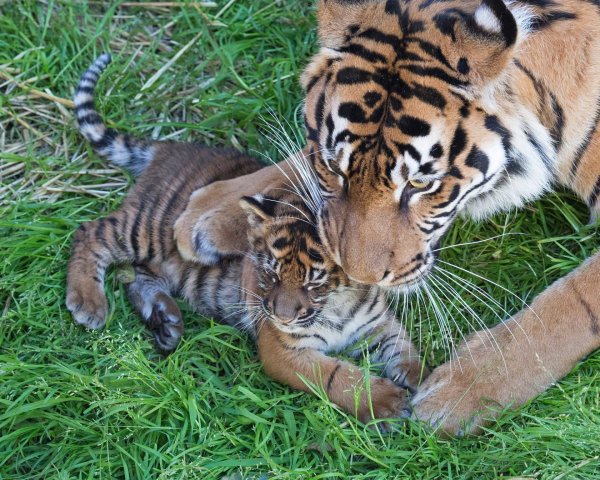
[[345, 160], [82, 97], [486, 19], [398, 180], [536, 177], [524, 16], [93, 132], [411, 163]]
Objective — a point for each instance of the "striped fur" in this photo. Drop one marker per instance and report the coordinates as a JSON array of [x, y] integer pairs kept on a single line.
[[419, 111], [122, 150], [282, 289]]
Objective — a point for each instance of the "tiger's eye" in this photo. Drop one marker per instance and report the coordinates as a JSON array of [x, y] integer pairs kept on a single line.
[[419, 184]]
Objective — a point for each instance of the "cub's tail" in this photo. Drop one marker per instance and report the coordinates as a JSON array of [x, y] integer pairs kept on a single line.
[[120, 149]]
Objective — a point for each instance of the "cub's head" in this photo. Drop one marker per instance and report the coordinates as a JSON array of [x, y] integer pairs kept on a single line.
[[294, 272], [400, 126]]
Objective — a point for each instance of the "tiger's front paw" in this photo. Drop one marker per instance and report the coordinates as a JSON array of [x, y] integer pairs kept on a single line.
[[193, 240], [87, 303], [457, 400]]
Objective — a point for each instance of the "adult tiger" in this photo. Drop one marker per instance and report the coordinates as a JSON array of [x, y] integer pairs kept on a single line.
[[418, 110]]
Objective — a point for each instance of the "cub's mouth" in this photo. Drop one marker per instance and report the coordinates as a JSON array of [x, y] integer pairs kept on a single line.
[[291, 326]]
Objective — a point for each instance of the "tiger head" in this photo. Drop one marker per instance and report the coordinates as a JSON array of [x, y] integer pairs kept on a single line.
[[402, 129], [294, 275]]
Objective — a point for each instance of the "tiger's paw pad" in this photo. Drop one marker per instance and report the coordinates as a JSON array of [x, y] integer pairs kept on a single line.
[[88, 309]]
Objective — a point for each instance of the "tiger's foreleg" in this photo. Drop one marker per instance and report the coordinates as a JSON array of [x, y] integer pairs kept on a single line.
[[344, 383], [151, 296], [213, 225], [96, 245], [533, 350]]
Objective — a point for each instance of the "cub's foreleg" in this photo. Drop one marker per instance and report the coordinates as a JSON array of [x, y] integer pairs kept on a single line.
[[96, 245], [344, 383], [535, 348], [390, 346]]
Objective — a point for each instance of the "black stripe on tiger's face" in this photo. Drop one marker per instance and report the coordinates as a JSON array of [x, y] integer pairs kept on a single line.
[[396, 118], [295, 275]]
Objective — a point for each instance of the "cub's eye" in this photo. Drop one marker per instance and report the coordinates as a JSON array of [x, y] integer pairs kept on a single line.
[[419, 184], [313, 285]]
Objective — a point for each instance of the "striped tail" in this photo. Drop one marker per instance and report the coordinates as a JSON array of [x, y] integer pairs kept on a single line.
[[122, 150]]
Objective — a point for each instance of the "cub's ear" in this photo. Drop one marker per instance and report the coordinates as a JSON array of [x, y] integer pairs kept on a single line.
[[483, 43], [337, 18], [258, 209]]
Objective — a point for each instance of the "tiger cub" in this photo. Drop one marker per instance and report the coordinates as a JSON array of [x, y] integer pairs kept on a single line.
[[284, 291]]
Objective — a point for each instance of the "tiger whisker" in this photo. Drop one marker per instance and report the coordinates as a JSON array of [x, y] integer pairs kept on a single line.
[[447, 340], [475, 291], [476, 241], [456, 295], [490, 336], [436, 283], [481, 277]]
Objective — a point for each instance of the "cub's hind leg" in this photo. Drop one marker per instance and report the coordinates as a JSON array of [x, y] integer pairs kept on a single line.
[[96, 245], [151, 296]]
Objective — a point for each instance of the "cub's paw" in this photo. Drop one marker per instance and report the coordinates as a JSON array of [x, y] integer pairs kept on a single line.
[[387, 401], [166, 322], [408, 374], [87, 304]]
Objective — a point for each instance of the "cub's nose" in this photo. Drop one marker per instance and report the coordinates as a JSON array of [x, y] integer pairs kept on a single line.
[[288, 309]]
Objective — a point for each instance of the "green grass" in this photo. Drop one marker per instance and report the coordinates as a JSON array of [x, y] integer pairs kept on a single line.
[[80, 404]]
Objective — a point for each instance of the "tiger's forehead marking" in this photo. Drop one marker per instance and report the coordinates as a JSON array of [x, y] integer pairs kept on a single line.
[[427, 165]]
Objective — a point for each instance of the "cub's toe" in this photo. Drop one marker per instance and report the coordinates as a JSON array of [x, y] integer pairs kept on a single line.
[[87, 309]]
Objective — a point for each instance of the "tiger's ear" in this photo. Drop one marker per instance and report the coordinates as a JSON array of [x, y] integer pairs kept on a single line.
[[258, 209], [483, 43]]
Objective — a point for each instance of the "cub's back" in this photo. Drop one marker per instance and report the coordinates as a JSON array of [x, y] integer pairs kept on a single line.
[[162, 191]]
